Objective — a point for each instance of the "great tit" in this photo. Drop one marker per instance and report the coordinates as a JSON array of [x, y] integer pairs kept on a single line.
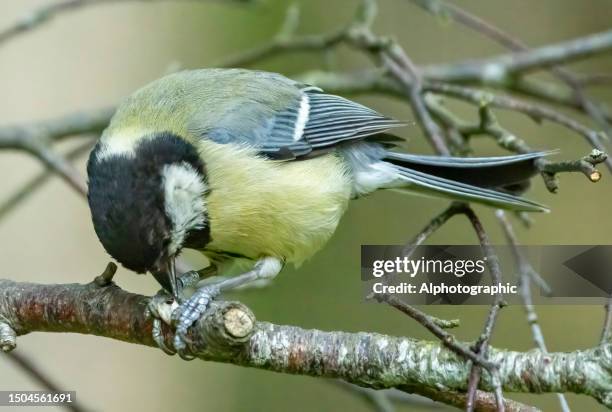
[[252, 166]]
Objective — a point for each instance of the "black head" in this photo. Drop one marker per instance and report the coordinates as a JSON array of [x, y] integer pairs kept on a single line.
[[148, 203]]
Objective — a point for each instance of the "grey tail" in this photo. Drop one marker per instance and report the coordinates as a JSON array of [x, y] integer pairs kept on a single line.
[[484, 180]]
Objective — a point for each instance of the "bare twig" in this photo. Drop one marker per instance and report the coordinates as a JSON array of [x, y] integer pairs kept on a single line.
[[489, 125], [283, 44], [430, 322], [450, 11], [447, 339], [377, 81], [58, 165], [38, 181], [481, 347], [35, 372], [441, 7], [526, 272], [48, 12], [526, 275], [36, 139], [400, 66], [535, 111], [585, 165], [51, 130], [434, 224], [509, 65]]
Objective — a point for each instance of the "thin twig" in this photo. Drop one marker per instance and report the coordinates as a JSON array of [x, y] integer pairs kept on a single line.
[[377, 81], [53, 130], [408, 75], [432, 226], [584, 165], [58, 164], [446, 338], [441, 7], [526, 275], [38, 181], [37, 138], [482, 345], [35, 372], [432, 323], [48, 12], [490, 126], [450, 11], [535, 111], [506, 66], [282, 44]]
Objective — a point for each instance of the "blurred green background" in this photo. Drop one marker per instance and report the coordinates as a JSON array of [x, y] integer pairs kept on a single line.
[[98, 55]]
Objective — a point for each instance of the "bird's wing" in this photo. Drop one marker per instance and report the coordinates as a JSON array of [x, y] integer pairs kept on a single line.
[[318, 122], [291, 120]]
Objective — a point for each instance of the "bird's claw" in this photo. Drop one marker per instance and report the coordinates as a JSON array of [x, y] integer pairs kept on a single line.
[[158, 337], [163, 308], [160, 308], [185, 315]]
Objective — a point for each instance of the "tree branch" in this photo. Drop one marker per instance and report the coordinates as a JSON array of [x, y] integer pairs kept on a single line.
[[52, 130], [503, 67], [229, 333]]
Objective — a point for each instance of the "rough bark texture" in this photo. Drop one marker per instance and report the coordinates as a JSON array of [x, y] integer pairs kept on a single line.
[[229, 333]]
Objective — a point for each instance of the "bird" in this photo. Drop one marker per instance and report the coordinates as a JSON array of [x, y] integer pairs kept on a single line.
[[255, 171]]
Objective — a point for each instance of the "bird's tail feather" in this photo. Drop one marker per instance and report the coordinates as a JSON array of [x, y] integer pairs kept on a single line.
[[467, 179]]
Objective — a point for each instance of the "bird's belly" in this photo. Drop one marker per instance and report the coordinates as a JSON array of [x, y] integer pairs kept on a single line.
[[258, 207]]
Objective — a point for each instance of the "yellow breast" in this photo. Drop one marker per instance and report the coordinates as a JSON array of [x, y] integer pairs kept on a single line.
[[258, 207]]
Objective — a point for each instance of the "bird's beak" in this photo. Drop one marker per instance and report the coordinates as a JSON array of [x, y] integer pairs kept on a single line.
[[165, 274]]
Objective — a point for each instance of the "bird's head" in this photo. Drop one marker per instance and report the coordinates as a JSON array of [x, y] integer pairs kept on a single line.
[[148, 202]]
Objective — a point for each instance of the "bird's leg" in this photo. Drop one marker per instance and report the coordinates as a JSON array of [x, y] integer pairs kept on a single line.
[[162, 305], [190, 311]]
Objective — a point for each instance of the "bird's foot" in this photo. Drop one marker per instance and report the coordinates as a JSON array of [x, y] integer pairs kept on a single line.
[[162, 305], [160, 308], [186, 314], [190, 311]]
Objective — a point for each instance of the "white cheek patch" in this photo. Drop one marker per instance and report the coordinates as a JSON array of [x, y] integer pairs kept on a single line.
[[184, 201]]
